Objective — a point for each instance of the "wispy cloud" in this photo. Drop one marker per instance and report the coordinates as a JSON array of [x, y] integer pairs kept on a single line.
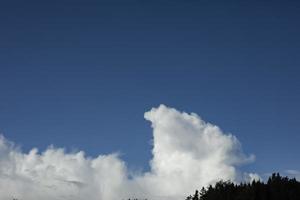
[[293, 173]]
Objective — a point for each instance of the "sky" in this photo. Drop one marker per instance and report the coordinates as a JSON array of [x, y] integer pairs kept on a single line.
[[80, 75]]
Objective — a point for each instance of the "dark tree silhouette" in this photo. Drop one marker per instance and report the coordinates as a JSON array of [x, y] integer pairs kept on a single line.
[[276, 188]]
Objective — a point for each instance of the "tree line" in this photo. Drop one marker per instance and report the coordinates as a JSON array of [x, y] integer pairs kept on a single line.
[[276, 188]]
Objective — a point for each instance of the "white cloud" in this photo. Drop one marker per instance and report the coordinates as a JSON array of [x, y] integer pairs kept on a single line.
[[252, 177], [55, 174], [293, 173], [188, 153]]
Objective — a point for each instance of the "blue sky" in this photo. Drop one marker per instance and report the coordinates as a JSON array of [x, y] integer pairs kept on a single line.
[[81, 74]]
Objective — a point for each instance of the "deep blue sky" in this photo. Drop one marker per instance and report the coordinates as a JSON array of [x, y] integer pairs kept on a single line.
[[81, 74]]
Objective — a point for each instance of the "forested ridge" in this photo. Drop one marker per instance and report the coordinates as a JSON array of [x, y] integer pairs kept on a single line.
[[276, 188]]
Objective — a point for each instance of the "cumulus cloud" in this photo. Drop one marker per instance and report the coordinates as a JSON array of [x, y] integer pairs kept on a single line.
[[55, 174], [188, 153]]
